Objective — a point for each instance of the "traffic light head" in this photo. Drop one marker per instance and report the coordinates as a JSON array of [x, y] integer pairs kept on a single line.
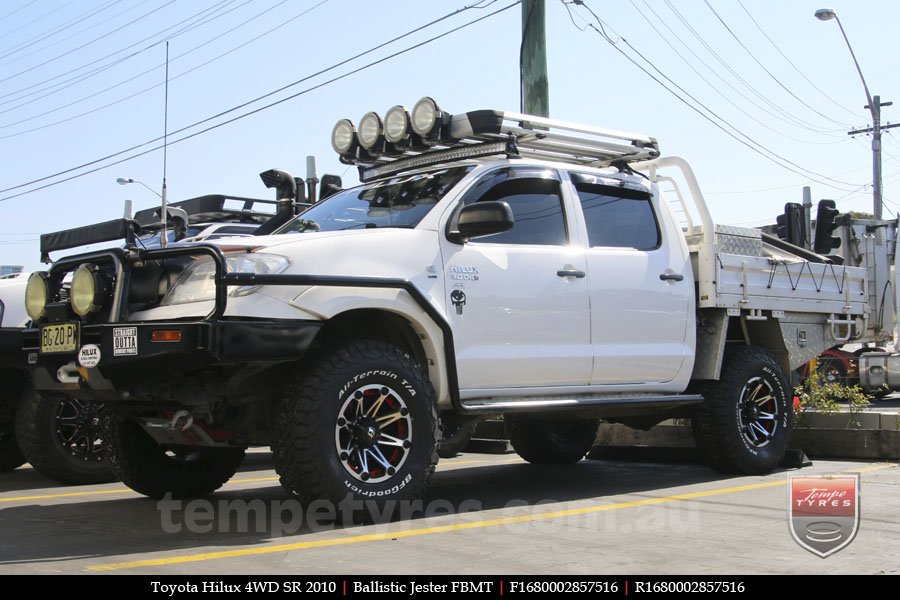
[[826, 213], [789, 226]]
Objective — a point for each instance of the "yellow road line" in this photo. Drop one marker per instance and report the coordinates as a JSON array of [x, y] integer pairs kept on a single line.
[[156, 562], [66, 495], [233, 481], [115, 491]]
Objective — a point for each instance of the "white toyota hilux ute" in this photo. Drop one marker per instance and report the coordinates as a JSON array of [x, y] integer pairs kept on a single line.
[[490, 264]]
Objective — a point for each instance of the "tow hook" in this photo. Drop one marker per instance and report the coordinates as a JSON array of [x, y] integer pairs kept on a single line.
[[181, 421], [68, 374]]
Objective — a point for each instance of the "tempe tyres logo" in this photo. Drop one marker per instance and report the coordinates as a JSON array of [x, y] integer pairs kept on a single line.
[[824, 511]]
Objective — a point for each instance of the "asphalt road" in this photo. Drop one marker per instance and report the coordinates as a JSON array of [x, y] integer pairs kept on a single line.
[[484, 514]]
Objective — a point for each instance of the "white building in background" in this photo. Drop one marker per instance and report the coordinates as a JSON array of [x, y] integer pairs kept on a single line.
[[10, 269]]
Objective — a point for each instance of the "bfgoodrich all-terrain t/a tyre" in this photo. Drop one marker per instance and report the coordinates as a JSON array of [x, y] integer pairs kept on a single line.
[[744, 424], [360, 422], [60, 437], [542, 440], [149, 469]]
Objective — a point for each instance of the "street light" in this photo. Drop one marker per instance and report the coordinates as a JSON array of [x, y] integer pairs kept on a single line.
[[127, 180], [874, 105]]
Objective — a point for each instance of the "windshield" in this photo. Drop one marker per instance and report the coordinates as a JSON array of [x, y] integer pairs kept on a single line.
[[397, 202]]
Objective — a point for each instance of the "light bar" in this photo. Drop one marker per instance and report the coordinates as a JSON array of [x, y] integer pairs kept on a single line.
[[433, 158]]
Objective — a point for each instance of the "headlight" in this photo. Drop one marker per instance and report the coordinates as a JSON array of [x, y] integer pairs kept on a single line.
[[87, 290], [370, 130], [36, 295], [197, 283], [426, 117], [343, 137], [396, 124]]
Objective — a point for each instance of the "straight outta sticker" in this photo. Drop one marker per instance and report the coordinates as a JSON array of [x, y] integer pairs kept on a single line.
[[125, 341]]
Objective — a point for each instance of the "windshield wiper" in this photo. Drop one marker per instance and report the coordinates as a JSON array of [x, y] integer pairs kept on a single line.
[[358, 225]]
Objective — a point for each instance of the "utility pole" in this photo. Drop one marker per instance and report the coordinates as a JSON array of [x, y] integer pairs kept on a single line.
[[874, 107], [534, 91]]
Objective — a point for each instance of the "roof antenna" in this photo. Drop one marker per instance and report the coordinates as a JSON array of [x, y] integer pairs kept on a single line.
[[164, 234]]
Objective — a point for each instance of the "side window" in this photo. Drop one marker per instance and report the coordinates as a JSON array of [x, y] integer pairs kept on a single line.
[[536, 206], [618, 217]]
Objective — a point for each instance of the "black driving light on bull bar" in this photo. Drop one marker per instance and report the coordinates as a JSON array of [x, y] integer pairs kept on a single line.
[[89, 288], [37, 293], [344, 137]]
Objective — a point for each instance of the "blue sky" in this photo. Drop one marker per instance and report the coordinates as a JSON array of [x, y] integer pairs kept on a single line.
[[60, 59]]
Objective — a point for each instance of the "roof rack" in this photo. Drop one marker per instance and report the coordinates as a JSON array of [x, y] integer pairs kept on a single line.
[[209, 209], [202, 209], [492, 132]]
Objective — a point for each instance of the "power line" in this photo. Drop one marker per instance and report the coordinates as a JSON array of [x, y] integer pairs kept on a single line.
[[710, 84], [14, 11], [53, 31], [790, 62], [738, 77], [199, 16], [215, 37], [478, 5], [97, 39], [768, 72], [156, 85], [54, 10], [747, 141]]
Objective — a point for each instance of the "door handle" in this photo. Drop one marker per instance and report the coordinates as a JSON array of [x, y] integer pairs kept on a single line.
[[671, 277], [570, 273]]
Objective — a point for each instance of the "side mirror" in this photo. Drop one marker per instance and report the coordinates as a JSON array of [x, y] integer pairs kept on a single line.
[[179, 221], [331, 184], [481, 219]]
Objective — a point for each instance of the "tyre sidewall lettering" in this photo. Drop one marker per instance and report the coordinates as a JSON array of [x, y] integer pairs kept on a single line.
[[413, 466], [774, 380]]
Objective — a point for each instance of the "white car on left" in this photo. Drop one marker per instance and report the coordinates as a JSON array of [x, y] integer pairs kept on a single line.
[[12, 300]]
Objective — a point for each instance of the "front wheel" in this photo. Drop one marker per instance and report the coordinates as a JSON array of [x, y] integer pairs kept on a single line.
[[60, 437], [361, 421], [551, 441], [149, 469], [744, 423]]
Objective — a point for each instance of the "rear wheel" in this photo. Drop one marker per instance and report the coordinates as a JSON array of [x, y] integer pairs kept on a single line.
[[551, 441], [744, 424], [11, 385], [362, 421], [60, 437], [149, 469]]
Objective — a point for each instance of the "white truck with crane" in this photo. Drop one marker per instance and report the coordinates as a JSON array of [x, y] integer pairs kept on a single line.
[[490, 263]]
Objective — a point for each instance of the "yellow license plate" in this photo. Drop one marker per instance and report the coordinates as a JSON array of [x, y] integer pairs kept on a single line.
[[62, 337]]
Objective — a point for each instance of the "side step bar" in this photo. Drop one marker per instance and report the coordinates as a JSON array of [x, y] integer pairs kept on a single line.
[[609, 406]]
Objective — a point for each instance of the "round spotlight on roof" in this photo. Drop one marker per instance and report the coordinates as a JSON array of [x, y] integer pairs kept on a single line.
[[371, 130], [426, 117], [343, 137], [396, 124]]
